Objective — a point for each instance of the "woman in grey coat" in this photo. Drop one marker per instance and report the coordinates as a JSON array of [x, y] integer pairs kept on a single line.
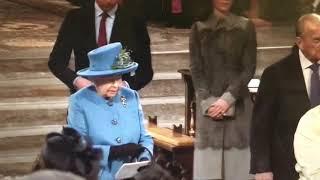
[[223, 60]]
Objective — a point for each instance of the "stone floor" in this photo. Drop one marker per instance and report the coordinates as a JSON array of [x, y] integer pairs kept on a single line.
[[31, 32], [24, 31], [28, 32]]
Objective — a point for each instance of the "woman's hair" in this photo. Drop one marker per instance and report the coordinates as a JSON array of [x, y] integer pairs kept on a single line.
[[163, 168], [205, 8], [202, 10], [154, 172], [71, 152]]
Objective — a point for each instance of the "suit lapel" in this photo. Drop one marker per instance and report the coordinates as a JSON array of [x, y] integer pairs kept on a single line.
[[295, 73], [89, 21], [115, 29], [123, 26]]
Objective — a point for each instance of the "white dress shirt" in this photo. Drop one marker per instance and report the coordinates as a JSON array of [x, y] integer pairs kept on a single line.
[[109, 21], [305, 64]]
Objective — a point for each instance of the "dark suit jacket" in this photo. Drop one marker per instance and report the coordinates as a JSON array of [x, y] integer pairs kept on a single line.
[[281, 101], [77, 34]]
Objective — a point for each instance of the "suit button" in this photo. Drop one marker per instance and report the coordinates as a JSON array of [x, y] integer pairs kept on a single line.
[[114, 122], [118, 140]]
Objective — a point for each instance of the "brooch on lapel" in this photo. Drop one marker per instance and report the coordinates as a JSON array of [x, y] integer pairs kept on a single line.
[[123, 100]]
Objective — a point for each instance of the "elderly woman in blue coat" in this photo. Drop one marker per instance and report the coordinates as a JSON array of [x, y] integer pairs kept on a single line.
[[109, 113]]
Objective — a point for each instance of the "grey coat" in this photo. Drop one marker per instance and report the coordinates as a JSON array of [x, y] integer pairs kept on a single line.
[[223, 60]]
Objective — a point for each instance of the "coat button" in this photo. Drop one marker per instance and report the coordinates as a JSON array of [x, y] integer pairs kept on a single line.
[[118, 140], [110, 103], [114, 122]]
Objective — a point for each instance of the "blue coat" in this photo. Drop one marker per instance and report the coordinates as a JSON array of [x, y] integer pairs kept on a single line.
[[108, 123]]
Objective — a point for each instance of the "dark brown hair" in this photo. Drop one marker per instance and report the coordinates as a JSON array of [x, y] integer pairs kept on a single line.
[[69, 152]]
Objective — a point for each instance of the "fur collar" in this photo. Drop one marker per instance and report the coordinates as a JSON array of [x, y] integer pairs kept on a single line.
[[230, 22]]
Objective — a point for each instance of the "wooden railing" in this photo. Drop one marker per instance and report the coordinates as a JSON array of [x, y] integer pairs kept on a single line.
[[173, 150]]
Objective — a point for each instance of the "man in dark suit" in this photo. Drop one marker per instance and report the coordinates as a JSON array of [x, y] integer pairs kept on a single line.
[[84, 29], [287, 90]]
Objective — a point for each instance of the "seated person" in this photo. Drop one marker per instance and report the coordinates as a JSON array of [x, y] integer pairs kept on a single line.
[[69, 152], [307, 145], [108, 113]]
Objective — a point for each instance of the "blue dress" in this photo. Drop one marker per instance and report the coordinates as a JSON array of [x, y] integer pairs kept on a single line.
[[108, 123]]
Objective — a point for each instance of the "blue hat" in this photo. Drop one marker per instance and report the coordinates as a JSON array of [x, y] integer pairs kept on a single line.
[[109, 60]]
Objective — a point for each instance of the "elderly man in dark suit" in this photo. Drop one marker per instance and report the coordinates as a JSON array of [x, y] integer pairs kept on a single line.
[[97, 23], [288, 89]]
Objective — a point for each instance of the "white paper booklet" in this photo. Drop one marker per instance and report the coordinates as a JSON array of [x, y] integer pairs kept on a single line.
[[128, 170]]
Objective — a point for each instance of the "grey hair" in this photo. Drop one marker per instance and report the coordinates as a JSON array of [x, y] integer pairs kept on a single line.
[[300, 25]]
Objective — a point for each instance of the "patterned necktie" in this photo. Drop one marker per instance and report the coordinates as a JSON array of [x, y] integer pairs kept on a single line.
[[314, 85], [102, 38]]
